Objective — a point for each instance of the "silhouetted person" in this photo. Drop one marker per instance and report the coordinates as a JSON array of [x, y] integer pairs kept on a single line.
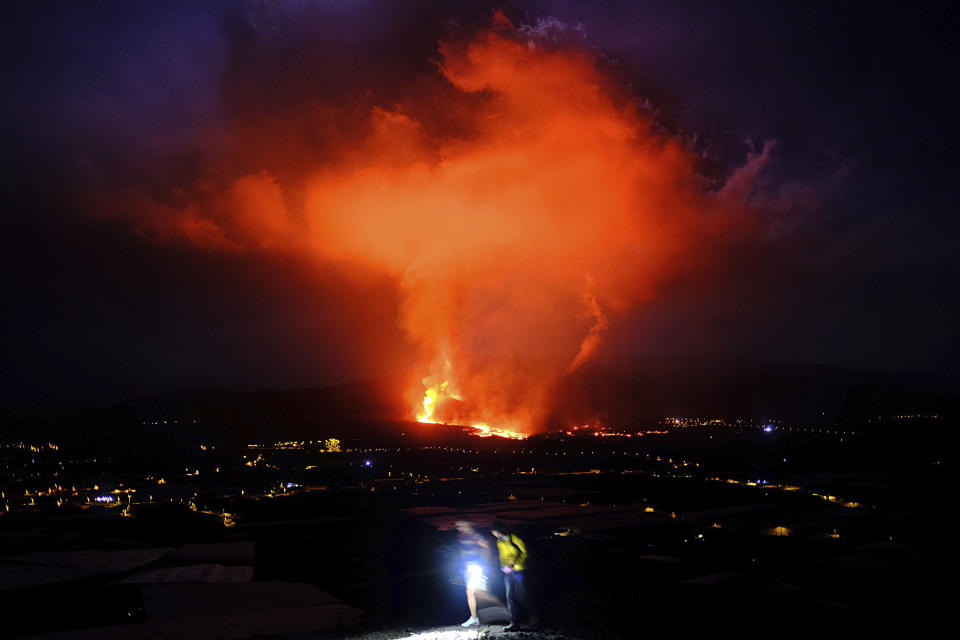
[[474, 552], [513, 563]]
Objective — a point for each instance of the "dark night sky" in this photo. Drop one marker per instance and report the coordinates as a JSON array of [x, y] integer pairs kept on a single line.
[[857, 268]]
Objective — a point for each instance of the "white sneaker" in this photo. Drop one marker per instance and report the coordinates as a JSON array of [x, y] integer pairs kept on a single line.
[[471, 622]]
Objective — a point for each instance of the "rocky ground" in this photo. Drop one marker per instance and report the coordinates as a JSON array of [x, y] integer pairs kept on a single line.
[[454, 632]]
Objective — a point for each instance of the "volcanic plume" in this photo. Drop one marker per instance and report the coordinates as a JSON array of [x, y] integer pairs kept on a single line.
[[548, 203]]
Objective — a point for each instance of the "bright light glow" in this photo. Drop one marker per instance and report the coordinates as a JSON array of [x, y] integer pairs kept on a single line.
[[446, 634], [767, 429], [475, 577]]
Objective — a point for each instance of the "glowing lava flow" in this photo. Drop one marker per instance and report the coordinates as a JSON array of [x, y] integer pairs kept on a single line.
[[485, 431], [444, 391], [482, 430]]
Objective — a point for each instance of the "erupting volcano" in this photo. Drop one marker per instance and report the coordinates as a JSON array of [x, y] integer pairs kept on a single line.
[[512, 241], [443, 391], [519, 199]]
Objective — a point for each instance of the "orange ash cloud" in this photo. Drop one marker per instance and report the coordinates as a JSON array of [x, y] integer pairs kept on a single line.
[[515, 241], [513, 244]]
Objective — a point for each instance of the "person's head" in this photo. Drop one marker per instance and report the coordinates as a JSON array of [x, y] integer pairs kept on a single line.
[[465, 527], [500, 531]]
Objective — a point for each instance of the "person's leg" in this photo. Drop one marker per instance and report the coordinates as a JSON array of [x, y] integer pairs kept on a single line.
[[472, 602], [511, 587]]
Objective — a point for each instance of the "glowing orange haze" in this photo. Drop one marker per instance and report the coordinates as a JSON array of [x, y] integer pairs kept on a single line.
[[513, 245]]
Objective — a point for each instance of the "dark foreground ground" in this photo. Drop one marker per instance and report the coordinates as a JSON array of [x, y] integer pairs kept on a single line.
[[625, 539]]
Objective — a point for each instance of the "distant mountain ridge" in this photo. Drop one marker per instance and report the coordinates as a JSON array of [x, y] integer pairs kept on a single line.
[[648, 389], [623, 393]]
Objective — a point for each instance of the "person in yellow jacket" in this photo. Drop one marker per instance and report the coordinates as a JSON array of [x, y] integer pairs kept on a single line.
[[513, 563]]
